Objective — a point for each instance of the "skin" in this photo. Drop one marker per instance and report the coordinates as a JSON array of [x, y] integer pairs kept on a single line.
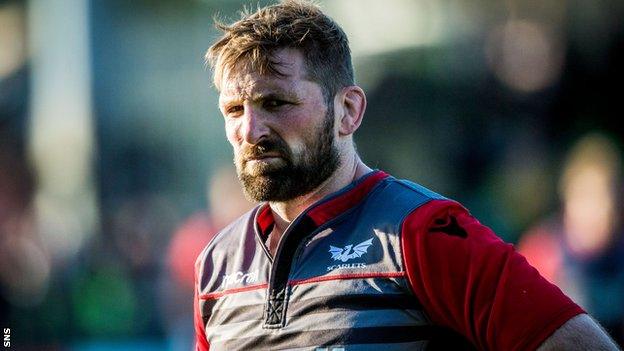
[[292, 107], [579, 333]]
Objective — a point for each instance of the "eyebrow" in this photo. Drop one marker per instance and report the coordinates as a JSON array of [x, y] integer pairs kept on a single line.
[[276, 94]]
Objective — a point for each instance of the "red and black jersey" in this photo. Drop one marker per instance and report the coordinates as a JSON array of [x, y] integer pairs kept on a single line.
[[381, 262]]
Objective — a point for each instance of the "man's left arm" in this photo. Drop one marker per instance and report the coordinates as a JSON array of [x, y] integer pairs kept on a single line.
[[467, 279], [579, 333]]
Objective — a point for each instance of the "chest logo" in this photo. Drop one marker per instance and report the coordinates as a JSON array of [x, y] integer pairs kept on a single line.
[[350, 251], [239, 278]]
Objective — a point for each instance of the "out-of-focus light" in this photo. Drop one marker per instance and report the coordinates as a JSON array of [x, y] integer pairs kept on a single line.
[[24, 267], [61, 127], [589, 209], [588, 188], [375, 26], [225, 196], [12, 39], [524, 55]]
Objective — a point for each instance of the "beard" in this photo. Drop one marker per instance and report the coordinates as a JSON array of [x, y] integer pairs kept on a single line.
[[291, 175]]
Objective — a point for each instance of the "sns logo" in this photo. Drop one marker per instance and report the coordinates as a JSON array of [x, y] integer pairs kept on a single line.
[[350, 251], [7, 337]]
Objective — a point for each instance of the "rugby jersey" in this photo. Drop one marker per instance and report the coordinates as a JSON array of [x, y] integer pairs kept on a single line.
[[381, 262]]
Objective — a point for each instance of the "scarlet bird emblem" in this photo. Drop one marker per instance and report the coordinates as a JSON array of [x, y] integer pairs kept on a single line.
[[350, 251]]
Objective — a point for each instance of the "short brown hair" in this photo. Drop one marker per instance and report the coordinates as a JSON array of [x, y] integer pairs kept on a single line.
[[290, 24]]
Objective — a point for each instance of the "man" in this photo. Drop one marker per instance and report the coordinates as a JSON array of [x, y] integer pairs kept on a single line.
[[338, 256]]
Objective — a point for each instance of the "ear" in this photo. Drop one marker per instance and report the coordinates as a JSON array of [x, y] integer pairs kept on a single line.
[[351, 104]]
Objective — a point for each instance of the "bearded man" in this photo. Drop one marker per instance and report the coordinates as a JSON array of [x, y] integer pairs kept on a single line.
[[338, 256]]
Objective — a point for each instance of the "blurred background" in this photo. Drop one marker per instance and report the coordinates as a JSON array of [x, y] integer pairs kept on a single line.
[[114, 166]]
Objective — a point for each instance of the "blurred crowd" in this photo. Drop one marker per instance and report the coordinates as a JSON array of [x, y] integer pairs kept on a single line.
[[114, 169], [581, 247]]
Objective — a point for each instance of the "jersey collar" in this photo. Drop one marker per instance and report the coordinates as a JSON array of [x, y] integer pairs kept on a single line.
[[330, 206]]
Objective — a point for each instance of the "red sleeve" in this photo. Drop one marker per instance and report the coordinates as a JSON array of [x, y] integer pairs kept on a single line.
[[201, 343], [469, 280]]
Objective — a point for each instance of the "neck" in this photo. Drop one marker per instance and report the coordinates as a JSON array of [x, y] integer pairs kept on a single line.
[[285, 212]]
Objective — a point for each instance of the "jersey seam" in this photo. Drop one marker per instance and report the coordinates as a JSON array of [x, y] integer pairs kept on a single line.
[[348, 276], [402, 238], [218, 294]]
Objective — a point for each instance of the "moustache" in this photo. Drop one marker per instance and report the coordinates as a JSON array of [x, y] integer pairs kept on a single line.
[[274, 147]]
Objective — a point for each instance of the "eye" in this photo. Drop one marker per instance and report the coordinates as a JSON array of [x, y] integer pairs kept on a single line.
[[274, 103], [234, 110]]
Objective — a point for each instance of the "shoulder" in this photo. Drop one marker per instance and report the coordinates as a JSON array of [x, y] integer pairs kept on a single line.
[[409, 189], [415, 188], [428, 206], [228, 237], [407, 196], [418, 207]]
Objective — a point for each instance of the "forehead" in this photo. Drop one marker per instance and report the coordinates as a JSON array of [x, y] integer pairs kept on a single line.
[[242, 83]]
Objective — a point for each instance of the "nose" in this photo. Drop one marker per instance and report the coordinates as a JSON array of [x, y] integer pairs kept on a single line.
[[253, 126]]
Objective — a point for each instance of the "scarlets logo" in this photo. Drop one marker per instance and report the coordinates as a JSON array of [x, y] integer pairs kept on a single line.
[[350, 251]]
